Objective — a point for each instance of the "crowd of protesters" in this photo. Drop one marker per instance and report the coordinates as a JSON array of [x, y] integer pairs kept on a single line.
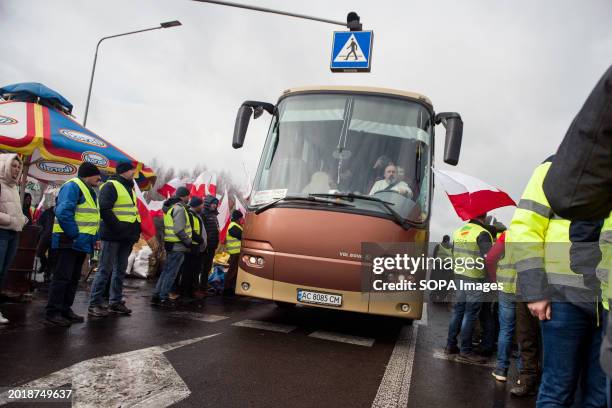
[[553, 263], [90, 217]]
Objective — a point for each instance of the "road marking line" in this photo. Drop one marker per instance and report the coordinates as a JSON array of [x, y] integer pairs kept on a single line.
[[203, 317], [439, 354], [394, 389], [139, 378], [424, 317], [343, 338], [258, 324]]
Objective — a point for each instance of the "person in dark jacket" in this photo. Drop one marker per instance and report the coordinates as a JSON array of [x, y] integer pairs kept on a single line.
[[578, 187], [75, 234], [27, 207], [211, 224], [192, 265], [43, 248], [119, 231], [233, 244]]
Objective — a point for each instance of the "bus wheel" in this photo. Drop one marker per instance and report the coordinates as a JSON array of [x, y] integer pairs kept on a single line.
[[284, 305]]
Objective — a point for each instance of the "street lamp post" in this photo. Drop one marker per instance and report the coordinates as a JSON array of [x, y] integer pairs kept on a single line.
[[167, 24]]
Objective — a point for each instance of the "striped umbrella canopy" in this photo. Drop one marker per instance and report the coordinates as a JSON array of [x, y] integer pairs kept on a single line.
[[54, 145]]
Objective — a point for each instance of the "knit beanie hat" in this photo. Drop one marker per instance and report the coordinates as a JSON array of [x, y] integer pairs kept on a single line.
[[86, 169], [124, 166], [195, 201], [181, 192]]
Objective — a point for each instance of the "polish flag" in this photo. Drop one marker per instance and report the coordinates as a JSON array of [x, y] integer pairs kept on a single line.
[[239, 206], [212, 185], [155, 208], [39, 210], [147, 228], [223, 217], [198, 189], [168, 189], [470, 196]]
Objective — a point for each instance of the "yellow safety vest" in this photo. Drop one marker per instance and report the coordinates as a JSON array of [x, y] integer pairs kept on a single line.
[[539, 239], [443, 252], [125, 206], [197, 227], [86, 214], [466, 251], [604, 267], [232, 244], [506, 273], [169, 234]]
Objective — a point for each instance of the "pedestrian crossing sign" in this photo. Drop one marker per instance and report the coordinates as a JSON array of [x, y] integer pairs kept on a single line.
[[351, 51]]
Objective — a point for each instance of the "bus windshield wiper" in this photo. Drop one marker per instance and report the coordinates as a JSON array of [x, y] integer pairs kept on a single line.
[[310, 198], [350, 196]]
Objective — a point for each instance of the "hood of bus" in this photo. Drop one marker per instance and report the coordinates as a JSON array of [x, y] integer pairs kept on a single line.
[[317, 248]]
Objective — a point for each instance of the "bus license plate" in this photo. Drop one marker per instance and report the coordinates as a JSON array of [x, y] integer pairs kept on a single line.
[[319, 298]]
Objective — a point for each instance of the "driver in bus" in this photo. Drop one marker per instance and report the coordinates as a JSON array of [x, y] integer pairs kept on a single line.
[[391, 183]]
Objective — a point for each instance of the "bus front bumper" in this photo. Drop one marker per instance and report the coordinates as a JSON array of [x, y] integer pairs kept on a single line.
[[403, 305]]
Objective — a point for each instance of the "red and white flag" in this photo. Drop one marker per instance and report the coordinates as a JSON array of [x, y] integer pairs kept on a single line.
[[212, 185], [198, 188], [156, 208], [39, 210], [147, 228], [239, 206], [223, 217], [168, 189], [470, 196]]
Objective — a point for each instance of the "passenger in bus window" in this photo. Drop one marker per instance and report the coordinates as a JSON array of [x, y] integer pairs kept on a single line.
[[391, 183]]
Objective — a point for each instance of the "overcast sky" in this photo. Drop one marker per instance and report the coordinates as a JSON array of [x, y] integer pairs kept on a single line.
[[516, 71]]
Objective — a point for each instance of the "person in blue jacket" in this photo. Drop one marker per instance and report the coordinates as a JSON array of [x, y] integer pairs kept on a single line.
[[75, 234]]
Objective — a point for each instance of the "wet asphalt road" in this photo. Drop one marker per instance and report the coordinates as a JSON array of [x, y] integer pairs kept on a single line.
[[259, 355]]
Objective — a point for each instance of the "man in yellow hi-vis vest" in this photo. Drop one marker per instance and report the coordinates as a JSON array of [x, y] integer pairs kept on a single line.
[[75, 234], [190, 270], [470, 245], [579, 183], [177, 242], [119, 231], [232, 244], [561, 288]]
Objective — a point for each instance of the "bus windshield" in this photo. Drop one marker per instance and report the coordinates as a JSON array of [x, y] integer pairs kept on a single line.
[[350, 145]]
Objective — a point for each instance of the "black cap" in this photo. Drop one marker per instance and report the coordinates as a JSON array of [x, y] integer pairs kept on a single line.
[[86, 169], [195, 201], [181, 192], [124, 166], [236, 215]]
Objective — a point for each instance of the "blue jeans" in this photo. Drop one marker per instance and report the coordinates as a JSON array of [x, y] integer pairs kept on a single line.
[[465, 313], [8, 248], [507, 323], [112, 265], [571, 342], [174, 260]]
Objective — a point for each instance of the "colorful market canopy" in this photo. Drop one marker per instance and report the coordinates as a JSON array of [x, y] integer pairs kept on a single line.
[[57, 145]]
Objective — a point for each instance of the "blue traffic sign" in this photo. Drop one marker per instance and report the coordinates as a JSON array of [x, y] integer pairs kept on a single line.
[[352, 51]]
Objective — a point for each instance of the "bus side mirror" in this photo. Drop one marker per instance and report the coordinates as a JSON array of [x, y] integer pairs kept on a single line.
[[241, 126], [454, 133], [247, 109]]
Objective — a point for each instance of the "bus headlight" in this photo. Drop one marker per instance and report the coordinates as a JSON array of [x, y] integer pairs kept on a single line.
[[253, 261], [245, 286]]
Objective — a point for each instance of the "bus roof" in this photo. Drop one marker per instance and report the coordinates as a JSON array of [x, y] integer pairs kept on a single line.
[[360, 89]]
